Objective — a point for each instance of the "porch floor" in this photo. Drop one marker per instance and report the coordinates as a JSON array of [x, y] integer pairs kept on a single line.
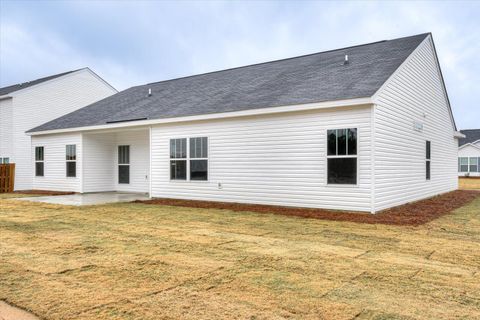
[[89, 198]]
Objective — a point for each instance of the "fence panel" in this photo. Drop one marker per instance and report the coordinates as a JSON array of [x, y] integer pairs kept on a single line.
[[7, 177]]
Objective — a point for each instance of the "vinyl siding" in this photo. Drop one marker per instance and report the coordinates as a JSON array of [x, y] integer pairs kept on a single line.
[[6, 128], [413, 94], [101, 161], [55, 162], [139, 160], [469, 151], [270, 159], [44, 102], [98, 162]]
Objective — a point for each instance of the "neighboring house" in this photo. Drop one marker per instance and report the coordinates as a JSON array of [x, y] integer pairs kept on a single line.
[[26, 105], [360, 128], [469, 153]]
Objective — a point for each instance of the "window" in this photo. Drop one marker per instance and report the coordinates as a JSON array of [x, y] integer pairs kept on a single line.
[[428, 159], [195, 162], [71, 158], [474, 164], [39, 161], [199, 158], [4, 160], [463, 164], [123, 164], [178, 159], [342, 156]]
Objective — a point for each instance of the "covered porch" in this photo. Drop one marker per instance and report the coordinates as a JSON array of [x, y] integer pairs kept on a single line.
[[116, 161]]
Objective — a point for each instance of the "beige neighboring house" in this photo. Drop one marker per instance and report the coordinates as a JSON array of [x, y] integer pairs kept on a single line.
[[469, 154], [26, 105]]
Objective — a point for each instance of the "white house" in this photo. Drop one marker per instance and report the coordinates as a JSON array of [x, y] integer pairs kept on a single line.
[[469, 154], [27, 105], [360, 128]]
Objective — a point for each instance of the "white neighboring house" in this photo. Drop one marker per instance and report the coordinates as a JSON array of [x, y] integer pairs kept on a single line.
[[361, 128], [29, 104], [469, 154]]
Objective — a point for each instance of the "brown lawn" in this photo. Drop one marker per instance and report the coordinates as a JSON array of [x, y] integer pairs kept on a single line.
[[137, 261]]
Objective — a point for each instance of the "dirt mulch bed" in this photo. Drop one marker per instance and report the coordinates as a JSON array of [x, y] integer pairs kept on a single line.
[[44, 192], [413, 214]]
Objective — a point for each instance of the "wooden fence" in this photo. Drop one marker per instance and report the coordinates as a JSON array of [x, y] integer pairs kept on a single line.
[[7, 177]]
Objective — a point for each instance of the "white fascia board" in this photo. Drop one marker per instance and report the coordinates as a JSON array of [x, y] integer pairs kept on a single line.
[[5, 97], [101, 79], [223, 115]]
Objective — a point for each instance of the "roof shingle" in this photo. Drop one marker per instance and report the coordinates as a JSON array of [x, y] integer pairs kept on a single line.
[[471, 135], [306, 79]]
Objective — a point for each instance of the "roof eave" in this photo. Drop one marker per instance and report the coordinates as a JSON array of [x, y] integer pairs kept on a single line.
[[251, 112]]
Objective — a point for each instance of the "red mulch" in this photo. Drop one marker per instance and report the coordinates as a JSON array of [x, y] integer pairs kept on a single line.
[[44, 192], [413, 214]]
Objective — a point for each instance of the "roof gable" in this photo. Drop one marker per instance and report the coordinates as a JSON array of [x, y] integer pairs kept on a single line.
[[24, 85], [306, 79]]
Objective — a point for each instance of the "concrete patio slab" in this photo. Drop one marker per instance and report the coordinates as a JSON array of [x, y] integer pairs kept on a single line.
[[88, 199]]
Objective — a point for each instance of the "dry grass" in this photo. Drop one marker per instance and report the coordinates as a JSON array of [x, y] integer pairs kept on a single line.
[[469, 183], [134, 261]]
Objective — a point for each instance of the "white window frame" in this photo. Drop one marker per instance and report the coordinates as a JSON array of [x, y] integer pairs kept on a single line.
[[188, 158], [123, 164], [39, 161], [340, 185], [460, 164], [67, 161], [473, 163]]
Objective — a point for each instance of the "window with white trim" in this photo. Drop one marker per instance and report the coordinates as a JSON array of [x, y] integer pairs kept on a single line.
[[428, 157], [39, 161], [71, 160], [463, 164], [178, 159], [342, 156], [123, 164], [191, 165], [4, 160], [199, 158], [474, 164]]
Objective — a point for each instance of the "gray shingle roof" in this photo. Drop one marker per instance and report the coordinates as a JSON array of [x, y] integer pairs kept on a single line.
[[472, 135], [20, 86], [306, 79]]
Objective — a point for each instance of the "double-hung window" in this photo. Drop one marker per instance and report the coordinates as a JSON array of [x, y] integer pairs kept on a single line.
[[123, 164], [71, 159], [178, 159], [428, 157], [474, 164], [189, 159], [39, 161], [462, 164], [342, 156]]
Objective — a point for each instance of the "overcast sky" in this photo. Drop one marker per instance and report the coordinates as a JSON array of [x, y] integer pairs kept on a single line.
[[133, 42]]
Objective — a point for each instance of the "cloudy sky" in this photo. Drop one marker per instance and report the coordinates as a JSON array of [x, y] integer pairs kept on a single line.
[[134, 42]]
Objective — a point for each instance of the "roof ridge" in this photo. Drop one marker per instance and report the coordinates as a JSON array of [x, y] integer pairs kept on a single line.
[[283, 59]]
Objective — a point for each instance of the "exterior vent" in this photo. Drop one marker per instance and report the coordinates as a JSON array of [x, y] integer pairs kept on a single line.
[[346, 59], [149, 92]]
